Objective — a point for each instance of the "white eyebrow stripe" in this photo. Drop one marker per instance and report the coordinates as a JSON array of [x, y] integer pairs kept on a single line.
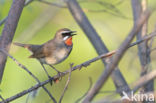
[[65, 38], [65, 32]]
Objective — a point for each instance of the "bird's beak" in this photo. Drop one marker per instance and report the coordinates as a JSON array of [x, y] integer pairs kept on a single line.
[[72, 33]]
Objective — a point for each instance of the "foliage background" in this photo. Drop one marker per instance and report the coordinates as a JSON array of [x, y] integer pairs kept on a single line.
[[38, 24]]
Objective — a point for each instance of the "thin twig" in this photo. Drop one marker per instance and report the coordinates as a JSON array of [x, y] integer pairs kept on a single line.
[[27, 99], [3, 21], [8, 31], [2, 99], [116, 58], [151, 43], [28, 2], [145, 38], [95, 39], [153, 49], [107, 10], [85, 64], [144, 80], [143, 49], [30, 73], [90, 85], [51, 4], [67, 83]]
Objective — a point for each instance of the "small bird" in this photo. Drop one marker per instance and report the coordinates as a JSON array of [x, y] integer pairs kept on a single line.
[[53, 51]]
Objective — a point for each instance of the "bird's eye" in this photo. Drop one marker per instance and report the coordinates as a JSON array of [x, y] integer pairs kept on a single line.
[[66, 33]]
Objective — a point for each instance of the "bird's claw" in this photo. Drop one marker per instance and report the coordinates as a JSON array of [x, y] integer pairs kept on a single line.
[[59, 74], [51, 80]]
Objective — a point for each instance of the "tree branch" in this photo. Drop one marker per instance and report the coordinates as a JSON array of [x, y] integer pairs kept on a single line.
[[52, 4], [4, 20], [85, 64], [117, 57], [143, 49], [9, 31], [2, 99], [144, 80], [94, 38], [30, 73], [67, 83]]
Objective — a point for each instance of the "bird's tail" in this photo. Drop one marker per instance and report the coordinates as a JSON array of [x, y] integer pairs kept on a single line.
[[21, 45]]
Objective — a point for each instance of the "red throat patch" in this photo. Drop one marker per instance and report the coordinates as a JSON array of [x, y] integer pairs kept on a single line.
[[69, 41]]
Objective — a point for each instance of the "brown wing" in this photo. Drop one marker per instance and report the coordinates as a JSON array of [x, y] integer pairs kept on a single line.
[[43, 51]]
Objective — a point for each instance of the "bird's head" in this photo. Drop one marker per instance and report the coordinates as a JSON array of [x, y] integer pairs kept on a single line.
[[65, 35]]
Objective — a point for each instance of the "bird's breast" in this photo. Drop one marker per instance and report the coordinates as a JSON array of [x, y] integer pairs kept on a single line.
[[58, 55]]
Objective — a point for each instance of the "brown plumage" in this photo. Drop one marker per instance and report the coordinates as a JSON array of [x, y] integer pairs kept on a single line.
[[54, 51]]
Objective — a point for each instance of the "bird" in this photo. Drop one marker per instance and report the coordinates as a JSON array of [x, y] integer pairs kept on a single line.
[[53, 51]]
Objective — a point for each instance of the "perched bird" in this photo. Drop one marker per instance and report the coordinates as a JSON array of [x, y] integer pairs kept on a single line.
[[53, 51]]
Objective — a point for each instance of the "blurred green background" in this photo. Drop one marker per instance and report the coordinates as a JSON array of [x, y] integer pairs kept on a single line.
[[38, 24]]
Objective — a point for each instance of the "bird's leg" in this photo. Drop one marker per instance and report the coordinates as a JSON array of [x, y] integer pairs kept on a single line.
[[46, 73], [59, 73]]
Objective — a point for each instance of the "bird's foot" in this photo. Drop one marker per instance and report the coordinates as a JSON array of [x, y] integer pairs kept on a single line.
[[59, 74], [51, 80]]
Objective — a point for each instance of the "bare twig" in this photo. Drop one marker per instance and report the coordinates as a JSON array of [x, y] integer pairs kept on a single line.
[[153, 49], [110, 8], [67, 83], [90, 85], [2, 99], [27, 99], [32, 95], [144, 80], [51, 4], [143, 48], [28, 2], [30, 73], [138, 84], [85, 64], [4, 20], [9, 31], [95, 39], [145, 38], [117, 57]]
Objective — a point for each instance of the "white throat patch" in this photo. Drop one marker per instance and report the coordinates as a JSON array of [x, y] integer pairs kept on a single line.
[[65, 38]]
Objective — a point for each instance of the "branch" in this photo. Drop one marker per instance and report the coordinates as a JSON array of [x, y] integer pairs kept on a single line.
[[2, 99], [94, 38], [67, 83], [143, 48], [85, 64], [109, 8], [117, 57], [138, 84], [153, 49], [9, 31], [4, 20], [52, 4], [30, 73], [144, 80]]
